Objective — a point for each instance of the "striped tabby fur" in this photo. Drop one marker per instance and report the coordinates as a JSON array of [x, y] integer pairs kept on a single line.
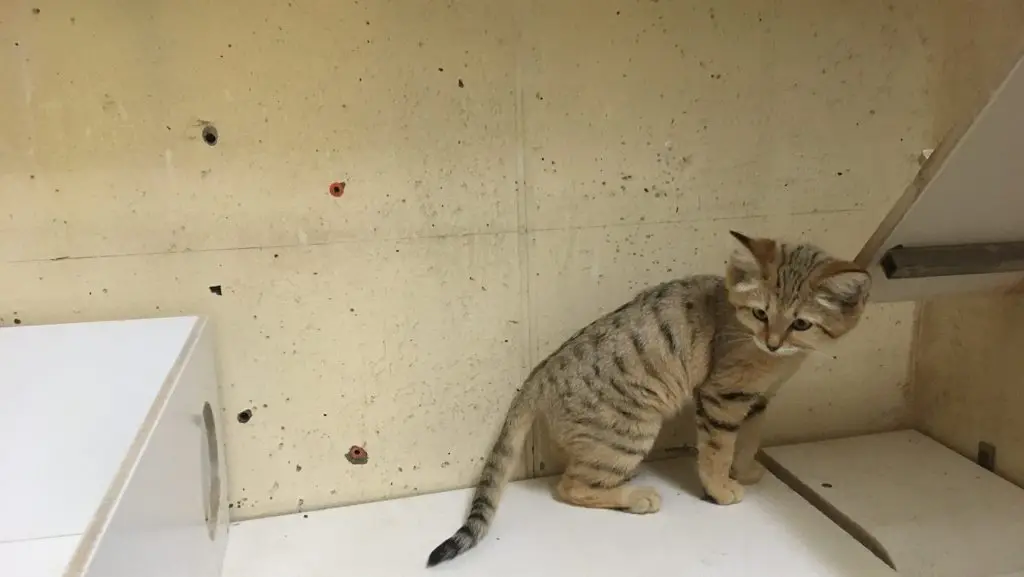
[[727, 343]]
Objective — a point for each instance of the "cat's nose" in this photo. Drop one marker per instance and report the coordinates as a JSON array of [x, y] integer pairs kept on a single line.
[[772, 347]]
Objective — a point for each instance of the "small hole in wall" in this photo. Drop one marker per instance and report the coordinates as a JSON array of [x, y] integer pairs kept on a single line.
[[217, 290], [357, 455], [210, 134], [244, 416], [211, 470], [336, 189]]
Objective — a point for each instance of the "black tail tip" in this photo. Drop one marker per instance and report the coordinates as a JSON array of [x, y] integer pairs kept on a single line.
[[445, 551]]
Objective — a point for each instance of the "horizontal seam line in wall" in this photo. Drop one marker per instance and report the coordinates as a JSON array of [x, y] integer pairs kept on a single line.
[[429, 237]]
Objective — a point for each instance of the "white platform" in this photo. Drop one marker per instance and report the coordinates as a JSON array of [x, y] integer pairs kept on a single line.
[[936, 513], [75, 416], [106, 467], [44, 557], [774, 532]]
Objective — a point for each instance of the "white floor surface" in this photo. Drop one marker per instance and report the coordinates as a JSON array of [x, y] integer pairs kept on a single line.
[[773, 532]]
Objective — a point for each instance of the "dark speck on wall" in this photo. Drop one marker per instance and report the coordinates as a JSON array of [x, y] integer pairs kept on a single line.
[[216, 289], [461, 83], [245, 416]]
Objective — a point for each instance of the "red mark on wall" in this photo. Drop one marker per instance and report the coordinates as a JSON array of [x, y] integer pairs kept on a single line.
[[337, 189], [357, 455]]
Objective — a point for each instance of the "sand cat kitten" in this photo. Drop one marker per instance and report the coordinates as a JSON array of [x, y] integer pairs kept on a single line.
[[726, 343]]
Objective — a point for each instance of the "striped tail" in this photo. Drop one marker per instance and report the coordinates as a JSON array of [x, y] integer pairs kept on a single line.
[[492, 481]]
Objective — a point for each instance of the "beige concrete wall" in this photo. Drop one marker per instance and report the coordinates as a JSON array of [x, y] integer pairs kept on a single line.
[[512, 169], [968, 364], [968, 375]]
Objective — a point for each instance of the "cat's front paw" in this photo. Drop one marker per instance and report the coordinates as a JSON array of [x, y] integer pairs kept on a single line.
[[725, 492], [749, 474]]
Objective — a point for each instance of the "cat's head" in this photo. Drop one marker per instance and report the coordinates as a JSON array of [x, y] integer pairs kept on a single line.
[[794, 297]]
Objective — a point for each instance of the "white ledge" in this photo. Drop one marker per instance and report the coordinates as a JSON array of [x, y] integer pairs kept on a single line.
[[773, 532]]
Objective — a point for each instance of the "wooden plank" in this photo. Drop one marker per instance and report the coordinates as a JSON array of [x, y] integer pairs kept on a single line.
[[953, 260], [933, 512], [968, 191], [772, 532]]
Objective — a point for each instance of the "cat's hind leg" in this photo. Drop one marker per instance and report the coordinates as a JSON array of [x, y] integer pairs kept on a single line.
[[624, 497], [598, 473]]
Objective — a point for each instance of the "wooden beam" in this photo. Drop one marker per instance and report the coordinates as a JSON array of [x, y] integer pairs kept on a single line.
[[953, 260]]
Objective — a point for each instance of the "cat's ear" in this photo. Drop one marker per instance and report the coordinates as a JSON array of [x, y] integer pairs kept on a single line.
[[759, 251], [842, 286], [750, 262]]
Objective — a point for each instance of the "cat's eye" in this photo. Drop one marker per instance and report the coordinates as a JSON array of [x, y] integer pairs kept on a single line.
[[801, 324], [760, 315]]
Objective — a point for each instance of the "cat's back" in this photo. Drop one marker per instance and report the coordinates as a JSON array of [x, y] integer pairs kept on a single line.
[[677, 317], [692, 301], [695, 298], [691, 304], [664, 333]]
